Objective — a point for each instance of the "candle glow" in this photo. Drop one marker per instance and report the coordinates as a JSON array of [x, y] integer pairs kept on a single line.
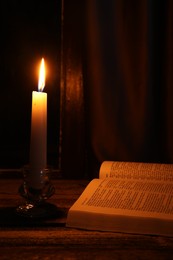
[[42, 75]]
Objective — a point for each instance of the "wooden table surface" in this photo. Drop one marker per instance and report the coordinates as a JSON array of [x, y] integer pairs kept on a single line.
[[50, 239]]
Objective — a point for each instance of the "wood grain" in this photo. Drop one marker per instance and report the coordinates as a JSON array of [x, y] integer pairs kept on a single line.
[[72, 134]]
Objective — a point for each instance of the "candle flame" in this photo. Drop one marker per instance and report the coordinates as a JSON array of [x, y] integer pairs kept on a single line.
[[41, 81]]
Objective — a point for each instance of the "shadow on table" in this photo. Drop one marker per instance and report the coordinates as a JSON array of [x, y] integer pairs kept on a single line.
[[10, 218]]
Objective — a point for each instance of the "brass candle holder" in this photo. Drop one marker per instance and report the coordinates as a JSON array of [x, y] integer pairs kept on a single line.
[[36, 189]]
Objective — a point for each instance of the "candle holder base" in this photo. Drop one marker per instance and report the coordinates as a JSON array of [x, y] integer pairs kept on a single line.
[[41, 211], [36, 189]]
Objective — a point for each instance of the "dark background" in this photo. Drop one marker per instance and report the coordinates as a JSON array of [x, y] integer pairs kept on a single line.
[[30, 30], [116, 94]]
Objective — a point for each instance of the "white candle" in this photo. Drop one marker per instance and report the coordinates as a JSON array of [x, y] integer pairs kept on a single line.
[[38, 145]]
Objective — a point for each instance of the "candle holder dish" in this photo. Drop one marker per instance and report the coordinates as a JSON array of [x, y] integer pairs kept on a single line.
[[36, 189]]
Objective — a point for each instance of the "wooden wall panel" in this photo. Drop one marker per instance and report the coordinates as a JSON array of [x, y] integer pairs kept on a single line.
[[72, 134]]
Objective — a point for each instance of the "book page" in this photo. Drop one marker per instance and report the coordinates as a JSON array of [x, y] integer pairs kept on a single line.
[[127, 197], [136, 171], [124, 206]]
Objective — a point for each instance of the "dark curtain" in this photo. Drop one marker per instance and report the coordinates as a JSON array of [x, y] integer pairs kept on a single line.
[[129, 89]]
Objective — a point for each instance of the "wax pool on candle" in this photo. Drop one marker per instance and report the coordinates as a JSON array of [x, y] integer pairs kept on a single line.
[[38, 146]]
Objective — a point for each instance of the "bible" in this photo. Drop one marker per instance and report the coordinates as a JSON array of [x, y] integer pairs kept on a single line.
[[127, 197]]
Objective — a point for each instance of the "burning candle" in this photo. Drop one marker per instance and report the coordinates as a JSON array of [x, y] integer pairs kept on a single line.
[[38, 145]]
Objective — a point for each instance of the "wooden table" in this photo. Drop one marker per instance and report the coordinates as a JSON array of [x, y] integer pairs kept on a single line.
[[50, 239]]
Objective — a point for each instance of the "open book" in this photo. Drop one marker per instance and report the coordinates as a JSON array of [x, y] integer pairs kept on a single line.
[[128, 197]]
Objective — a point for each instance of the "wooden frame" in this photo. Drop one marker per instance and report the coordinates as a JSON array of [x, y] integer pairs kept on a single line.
[[72, 123]]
